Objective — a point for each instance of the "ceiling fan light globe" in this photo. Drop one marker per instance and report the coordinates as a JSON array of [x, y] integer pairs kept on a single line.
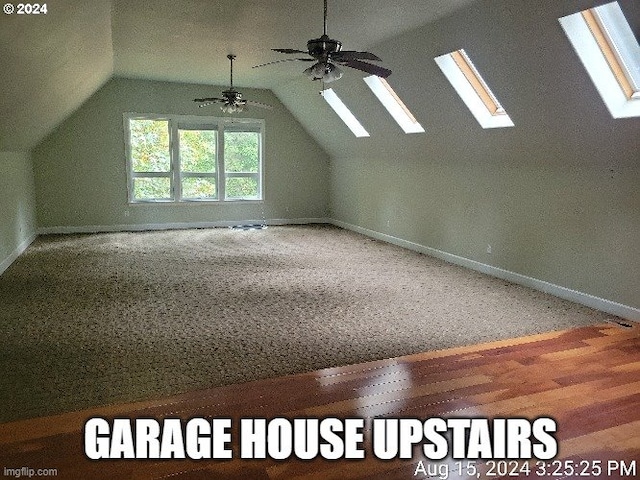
[[228, 108], [315, 72], [324, 71], [332, 74]]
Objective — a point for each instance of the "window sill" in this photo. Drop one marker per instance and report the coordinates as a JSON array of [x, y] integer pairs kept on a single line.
[[196, 202]]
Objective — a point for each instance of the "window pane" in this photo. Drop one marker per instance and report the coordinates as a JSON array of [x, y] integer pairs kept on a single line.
[[241, 151], [152, 188], [149, 145], [198, 151], [241, 187], [199, 188]]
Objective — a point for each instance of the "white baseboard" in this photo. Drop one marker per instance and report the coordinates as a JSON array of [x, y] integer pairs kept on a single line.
[[175, 226], [16, 253], [602, 304]]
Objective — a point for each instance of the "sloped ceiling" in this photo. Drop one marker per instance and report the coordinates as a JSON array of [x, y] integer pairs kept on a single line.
[[50, 64], [188, 40]]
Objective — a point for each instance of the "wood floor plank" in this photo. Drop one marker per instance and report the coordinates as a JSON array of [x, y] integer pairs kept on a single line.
[[587, 379]]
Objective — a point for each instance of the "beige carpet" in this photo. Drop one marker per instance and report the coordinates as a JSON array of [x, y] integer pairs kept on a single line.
[[89, 320]]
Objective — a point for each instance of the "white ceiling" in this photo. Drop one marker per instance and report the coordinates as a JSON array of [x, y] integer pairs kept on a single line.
[[49, 65], [188, 40], [52, 63]]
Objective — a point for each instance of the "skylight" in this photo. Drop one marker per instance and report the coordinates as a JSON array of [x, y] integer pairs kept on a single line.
[[474, 91], [610, 53], [344, 113], [393, 104]]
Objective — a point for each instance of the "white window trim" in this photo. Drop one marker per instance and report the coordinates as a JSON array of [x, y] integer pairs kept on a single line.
[[612, 20], [195, 122], [467, 92]]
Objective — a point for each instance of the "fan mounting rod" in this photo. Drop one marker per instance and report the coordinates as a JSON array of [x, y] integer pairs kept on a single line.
[[231, 58], [325, 18], [321, 48]]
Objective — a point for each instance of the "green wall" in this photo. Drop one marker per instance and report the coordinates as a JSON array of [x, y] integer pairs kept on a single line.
[[80, 169], [17, 206], [557, 196]]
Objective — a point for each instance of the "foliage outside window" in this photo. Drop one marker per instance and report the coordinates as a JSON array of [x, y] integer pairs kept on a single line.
[[191, 159]]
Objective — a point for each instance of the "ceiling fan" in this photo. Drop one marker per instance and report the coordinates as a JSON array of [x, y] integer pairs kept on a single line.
[[327, 54], [231, 100]]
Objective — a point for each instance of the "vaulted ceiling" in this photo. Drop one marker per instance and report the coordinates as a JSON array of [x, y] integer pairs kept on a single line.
[[50, 64]]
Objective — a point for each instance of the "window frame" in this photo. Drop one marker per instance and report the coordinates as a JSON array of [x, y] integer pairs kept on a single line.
[[175, 123], [608, 49], [474, 91]]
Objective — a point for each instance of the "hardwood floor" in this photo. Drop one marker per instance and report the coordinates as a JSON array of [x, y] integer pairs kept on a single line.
[[587, 379]]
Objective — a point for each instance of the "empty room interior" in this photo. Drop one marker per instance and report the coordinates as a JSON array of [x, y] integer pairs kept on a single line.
[[357, 209]]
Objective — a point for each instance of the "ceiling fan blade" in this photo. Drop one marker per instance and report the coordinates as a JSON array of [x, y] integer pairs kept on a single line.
[[209, 100], [206, 104], [347, 55], [285, 60], [258, 104], [288, 50], [368, 67]]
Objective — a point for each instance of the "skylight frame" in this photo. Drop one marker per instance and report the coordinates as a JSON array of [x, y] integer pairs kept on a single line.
[[609, 51], [396, 107], [473, 89], [349, 119]]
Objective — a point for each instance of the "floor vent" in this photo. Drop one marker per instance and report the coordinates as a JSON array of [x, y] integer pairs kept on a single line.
[[256, 226], [622, 323]]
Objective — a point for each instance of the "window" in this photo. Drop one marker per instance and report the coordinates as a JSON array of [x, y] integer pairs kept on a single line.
[[193, 159], [242, 162], [344, 113], [149, 159], [474, 91], [396, 107], [610, 53], [198, 148]]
